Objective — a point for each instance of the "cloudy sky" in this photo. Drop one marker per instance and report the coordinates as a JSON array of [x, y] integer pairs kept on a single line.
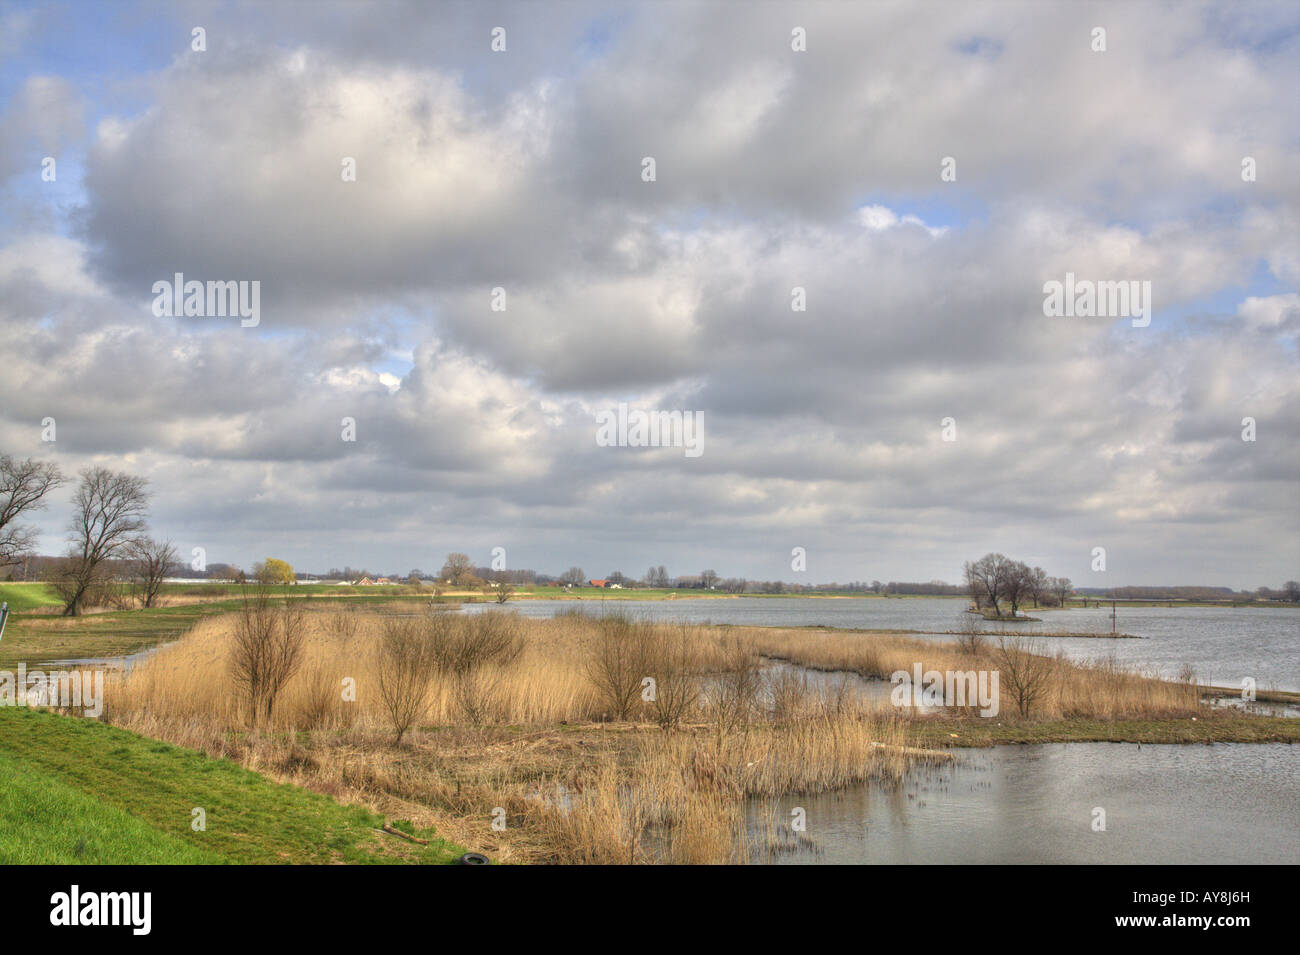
[[775, 168]]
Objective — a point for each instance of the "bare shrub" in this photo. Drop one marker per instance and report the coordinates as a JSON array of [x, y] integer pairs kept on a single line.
[[674, 664], [737, 686], [405, 664], [970, 639], [1025, 671], [617, 658], [788, 693], [343, 625], [463, 644], [478, 695], [266, 652]]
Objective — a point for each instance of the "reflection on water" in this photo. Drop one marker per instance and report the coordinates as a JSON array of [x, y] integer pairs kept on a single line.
[[1223, 645], [1236, 803]]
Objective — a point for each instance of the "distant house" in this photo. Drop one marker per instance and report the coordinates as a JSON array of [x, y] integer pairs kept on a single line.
[[599, 583], [615, 586], [367, 582]]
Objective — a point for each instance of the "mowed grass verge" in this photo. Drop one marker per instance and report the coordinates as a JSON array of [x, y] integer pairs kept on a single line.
[[75, 790]]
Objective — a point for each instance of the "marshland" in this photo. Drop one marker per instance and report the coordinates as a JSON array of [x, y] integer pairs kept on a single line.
[[612, 738]]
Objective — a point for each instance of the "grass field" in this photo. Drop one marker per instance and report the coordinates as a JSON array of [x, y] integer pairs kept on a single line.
[[36, 635], [78, 791], [28, 596]]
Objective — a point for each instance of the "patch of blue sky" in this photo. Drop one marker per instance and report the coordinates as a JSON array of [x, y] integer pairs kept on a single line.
[[987, 47], [937, 213], [38, 205], [1252, 27], [89, 43], [1191, 316]]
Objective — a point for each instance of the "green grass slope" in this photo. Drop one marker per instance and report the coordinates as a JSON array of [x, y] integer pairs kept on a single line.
[[77, 791]]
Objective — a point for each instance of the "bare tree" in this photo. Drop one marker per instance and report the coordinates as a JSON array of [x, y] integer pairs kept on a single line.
[[23, 486], [1014, 584], [109, 511], [985, 578], [267, 651], [458, 569], [1062, 588], [1025, 671], [573, 577], [1038, 584], [505, 591], [153, 559]]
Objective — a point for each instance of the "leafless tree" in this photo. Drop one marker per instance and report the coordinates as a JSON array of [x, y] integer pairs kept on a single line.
[[153, 559], [985, 578], [1062, 588], [23, 486], [1038, 584], [1025, 671], [458, 569], [109, 508], [504, 591], [267, 651], [1014, 584]]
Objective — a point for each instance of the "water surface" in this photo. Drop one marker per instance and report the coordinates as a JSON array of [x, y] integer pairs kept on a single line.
[[1226, 803], [1222, 645]]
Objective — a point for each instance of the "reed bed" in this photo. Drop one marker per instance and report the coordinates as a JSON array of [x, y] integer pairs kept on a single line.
[[546, 726], [1099, 688]]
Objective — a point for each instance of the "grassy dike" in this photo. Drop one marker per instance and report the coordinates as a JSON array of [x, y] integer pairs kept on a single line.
[[74, 790]]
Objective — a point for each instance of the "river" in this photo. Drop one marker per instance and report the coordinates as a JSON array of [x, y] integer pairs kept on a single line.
[[1223, 645]]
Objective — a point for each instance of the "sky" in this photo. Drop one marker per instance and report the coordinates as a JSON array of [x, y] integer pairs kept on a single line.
[[919, 170]]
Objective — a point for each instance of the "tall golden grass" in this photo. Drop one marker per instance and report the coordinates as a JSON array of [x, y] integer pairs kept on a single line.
[[534, 741]]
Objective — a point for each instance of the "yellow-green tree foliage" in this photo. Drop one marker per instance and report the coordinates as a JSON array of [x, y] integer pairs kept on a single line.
[[275, 571]]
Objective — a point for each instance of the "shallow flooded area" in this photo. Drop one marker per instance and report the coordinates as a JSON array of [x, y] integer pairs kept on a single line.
[[1237, 803]]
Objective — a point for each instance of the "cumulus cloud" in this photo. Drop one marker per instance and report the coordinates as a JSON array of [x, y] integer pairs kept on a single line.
[[521, 172]]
